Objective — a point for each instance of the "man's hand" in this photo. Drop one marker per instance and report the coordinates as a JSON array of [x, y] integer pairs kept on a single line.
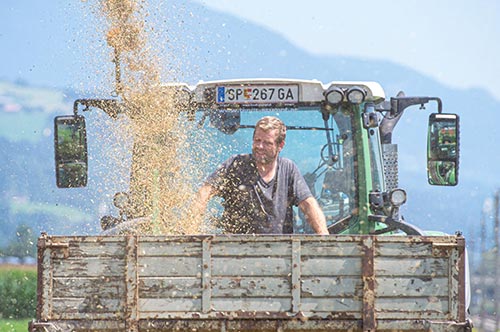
[[197, 210], [314, 215]]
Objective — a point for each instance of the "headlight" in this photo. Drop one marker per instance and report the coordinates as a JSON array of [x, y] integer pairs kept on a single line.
[[334, 96], [397, 197], [356, 95]]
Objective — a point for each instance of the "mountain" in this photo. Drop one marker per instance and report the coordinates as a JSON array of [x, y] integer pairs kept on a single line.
[[195, 43]]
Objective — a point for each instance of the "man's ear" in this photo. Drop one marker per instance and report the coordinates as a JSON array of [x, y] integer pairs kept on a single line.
[[281, 145]]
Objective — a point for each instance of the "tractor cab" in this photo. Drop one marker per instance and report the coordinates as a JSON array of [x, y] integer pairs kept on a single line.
[[339, 134]]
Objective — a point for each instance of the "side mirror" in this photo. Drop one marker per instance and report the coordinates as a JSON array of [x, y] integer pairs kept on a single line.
[[70, 145], [443, 149]]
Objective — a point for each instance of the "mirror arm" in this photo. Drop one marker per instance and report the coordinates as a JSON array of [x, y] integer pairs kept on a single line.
[[399, 104], [112, 107]]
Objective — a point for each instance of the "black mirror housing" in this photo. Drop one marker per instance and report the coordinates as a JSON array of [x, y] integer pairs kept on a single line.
[[443, 149], [70, 147]]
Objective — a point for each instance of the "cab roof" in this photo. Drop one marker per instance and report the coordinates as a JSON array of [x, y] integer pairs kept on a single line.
[[309, 91]]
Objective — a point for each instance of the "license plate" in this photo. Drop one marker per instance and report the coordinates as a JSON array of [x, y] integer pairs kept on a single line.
[[257, 94]]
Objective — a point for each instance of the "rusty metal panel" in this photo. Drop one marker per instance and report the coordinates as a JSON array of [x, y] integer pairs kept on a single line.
[[423, 266], [238, 282], [338, 286], [206, 276], [296, 275], [457, 274], [331, 266], [412, 305], [45, 287], [109, 287], [257, 304], [412, 286], [162, 246], [251, 286], [260, 247], [97, 247], [165, 266], [253, 276], [415, 278], [251, 266], [91, 306], [343, 246], [368, 276], [88, 267], [86, 277], [404, 249], [158, 307], [332, 305], [132, 292], [159, 287]]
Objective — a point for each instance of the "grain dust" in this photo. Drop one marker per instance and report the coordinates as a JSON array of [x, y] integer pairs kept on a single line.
[[160, 185]]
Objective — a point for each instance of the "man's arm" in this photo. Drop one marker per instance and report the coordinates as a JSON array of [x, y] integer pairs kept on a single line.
[[314, 215], [200, 203]]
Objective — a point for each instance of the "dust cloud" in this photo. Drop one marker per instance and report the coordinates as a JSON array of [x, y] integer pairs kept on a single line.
[[161, 183]]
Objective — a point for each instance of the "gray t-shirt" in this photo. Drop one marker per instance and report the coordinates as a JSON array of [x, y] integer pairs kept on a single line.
[[250, 204]]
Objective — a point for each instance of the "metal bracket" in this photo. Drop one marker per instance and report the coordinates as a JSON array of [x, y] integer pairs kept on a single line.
[[112, 107]]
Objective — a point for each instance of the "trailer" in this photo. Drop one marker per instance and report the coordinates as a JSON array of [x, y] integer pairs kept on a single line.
[[251, 283]]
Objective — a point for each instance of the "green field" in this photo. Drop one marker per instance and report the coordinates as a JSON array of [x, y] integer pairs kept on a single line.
[[14, 325]]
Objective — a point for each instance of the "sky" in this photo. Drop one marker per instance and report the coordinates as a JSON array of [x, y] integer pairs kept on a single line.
[[452, 41], [463, 52]]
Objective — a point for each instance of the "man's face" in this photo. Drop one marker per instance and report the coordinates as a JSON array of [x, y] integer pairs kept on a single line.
[[264, 147]]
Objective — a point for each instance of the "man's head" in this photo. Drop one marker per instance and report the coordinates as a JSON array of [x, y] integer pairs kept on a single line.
[[269, 123], [268, 139]]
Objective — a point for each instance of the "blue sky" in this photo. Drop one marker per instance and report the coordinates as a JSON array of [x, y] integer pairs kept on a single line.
[[453, 41]]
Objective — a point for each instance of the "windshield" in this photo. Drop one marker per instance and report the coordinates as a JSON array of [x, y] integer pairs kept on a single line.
[[322, 149]]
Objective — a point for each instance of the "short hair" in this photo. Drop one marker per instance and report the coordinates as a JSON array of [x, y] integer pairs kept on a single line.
[[268, 123]]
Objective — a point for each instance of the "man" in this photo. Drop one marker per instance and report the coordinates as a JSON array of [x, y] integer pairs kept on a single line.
[[260, 189]]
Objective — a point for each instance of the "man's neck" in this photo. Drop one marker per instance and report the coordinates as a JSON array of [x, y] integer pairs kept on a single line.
[[267, 171]]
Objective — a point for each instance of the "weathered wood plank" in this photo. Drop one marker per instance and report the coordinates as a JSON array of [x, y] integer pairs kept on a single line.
[[174, 287], [97, 248], [105, 287], [332, 287], [412, 304], [168, 305], [425, 266], [89, 306], [331, 266], [412, 286], [323, 248], [414, 315], [206, 276], [169, 248], [405, 249], [344, 305], [251, 287], [457, 278], [88, 267], [132, 289], [251, 266], [265, 304], [176, 266], [247, 249], [45, 275]]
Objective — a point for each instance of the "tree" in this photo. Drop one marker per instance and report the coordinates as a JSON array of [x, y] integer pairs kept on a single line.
[[23, 244]]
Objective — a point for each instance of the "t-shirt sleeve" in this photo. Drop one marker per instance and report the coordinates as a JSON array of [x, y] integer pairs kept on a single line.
[[218, 178], [300, 188]]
